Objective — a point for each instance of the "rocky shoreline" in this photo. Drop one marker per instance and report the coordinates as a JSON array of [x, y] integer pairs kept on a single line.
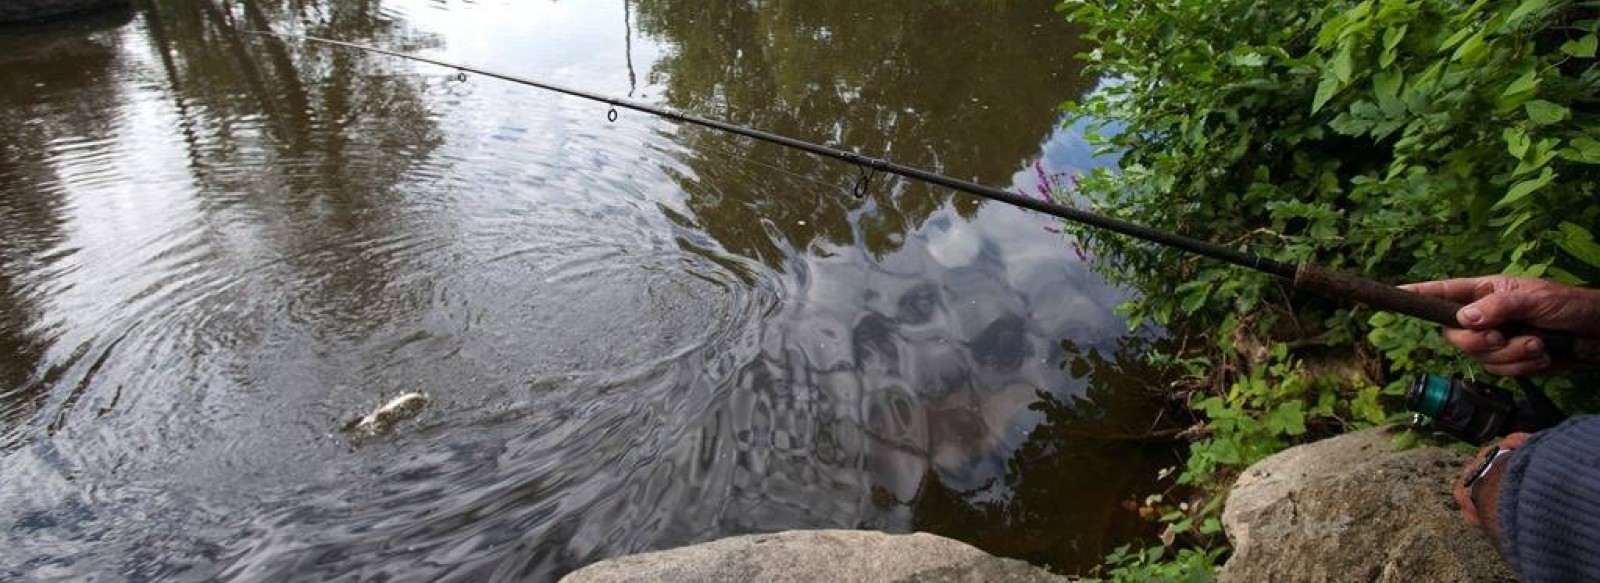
[[1350, 508], [817, 555]]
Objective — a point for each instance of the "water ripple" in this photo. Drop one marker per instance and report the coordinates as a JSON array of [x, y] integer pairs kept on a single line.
[[217, 249]]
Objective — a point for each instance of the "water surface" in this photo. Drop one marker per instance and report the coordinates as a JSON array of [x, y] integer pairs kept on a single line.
[[216, 248]]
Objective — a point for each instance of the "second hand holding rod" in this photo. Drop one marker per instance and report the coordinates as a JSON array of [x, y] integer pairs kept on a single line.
[[1304, 276]]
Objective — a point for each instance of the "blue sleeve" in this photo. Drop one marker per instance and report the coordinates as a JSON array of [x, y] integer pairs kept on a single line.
[[1550, 504]]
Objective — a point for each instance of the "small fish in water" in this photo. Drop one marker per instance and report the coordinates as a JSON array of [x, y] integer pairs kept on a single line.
[[384, 418]]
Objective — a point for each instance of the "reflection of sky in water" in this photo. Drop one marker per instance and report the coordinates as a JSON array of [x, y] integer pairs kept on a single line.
[[1067, 152], [572, 43], [1035, 293]]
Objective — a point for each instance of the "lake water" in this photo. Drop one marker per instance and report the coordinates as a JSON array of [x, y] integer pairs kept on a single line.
[[217, 248]]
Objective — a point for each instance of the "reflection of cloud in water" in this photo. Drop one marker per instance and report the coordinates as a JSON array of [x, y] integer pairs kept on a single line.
[[955, 245], [1066, 152], [935, 352]]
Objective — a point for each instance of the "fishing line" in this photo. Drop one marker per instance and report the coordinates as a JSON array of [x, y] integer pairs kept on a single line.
[[1076, 215], [727, 151], [1303, 276]]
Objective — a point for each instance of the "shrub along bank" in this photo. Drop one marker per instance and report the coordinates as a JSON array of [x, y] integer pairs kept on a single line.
[[1405, 140]]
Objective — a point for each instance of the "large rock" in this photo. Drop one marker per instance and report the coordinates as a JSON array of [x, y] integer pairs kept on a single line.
[[1352, 509], [15, 11], [816, 555]]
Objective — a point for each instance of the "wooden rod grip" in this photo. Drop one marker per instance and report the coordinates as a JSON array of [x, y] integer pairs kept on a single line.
[[1560, 345], [1376, 294]]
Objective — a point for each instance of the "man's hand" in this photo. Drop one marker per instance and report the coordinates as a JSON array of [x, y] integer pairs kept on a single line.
[[1497, 301]]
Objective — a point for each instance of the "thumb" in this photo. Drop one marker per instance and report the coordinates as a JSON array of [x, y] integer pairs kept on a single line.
[[1498, 309]]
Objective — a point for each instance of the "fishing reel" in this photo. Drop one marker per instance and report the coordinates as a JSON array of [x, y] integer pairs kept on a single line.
[[1477, 412]]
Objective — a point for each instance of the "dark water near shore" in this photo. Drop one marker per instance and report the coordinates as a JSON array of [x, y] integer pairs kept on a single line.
[[215, 249]]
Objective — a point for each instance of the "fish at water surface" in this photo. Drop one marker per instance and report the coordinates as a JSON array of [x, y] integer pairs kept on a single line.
[[384, 419]]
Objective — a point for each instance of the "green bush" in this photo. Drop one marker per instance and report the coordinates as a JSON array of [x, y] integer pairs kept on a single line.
[[1405, 140], [1155, 565]]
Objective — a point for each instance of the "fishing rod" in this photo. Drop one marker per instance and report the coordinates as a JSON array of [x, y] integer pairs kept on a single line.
[[1303, 276]]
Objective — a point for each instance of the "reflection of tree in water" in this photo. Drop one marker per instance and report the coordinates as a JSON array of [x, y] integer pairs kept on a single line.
[[296, 159], [50, 88], [930, 84], [1062, 500], [327, 106], [293, 133], [314, 138]]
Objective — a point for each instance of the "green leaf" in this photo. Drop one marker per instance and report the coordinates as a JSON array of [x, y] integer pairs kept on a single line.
[[1535, 270], [1543, 112], [1387, 84], [1288, 418], [1566, 277], [1522, 189], [1387, 58], [1381, 319], [1366, 406], [1325, 91], [1455, 39], [1195, 300], [1582, 149], [1524, 84], [1428, 81], [1582, 48], [1523, 249], [1539, 156], [1344, 63], [1392, 37], [1225, 451], [1249, 60], [1517, 221], [1404, 440], [1528, 7], [1472, 51], [1517, 141], [1391, 43], [1579, 242]]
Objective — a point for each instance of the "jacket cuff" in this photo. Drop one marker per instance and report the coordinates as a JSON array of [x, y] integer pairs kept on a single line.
[[1549, 505]]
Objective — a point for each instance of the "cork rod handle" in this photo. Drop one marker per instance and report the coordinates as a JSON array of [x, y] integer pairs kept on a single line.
[[1376, 294], [1437, 310]]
